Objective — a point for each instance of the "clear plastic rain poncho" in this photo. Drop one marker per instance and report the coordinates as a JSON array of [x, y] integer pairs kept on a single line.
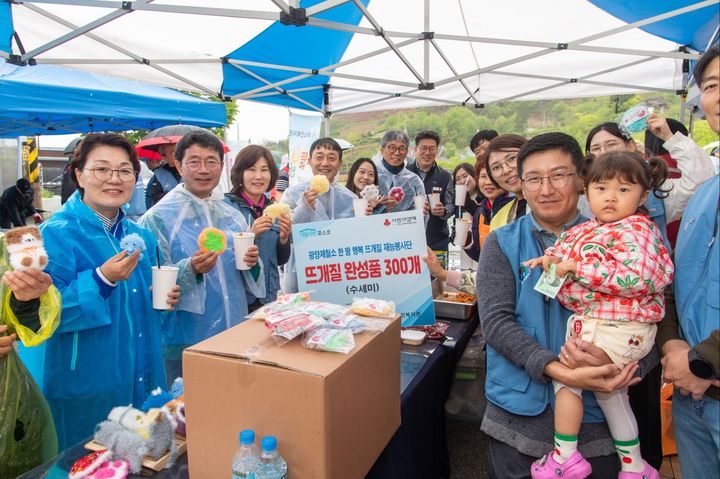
[[107, 350], [411, 184], [27, 431], [213, 302], [336, 204]]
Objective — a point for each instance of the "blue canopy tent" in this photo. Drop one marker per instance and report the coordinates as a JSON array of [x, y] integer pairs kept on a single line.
[[333, 56], [49, 99]]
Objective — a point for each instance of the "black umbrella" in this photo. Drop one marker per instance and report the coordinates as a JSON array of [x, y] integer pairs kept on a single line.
[[70, 148]]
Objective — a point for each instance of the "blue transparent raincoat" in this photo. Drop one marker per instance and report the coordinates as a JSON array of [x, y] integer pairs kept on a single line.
[[411, 184], [209, 303], [336, 204], [107, 350]]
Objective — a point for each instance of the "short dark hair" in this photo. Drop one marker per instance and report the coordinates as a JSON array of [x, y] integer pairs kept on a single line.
[[551, 141], [327, 143], [427, 135], [501, 143], [201, 138], [350, 184], [654, 145], [94, 140], [482, 135], [610, 127], [703, 62], [245, 159], [629, 166]]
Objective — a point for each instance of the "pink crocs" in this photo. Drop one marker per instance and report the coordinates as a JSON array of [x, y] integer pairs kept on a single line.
[[648, 472], [576, 467]]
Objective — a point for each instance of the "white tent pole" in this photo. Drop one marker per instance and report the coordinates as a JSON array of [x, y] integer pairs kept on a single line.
[[281, 5], [520, 95], [372, 79], [426, 43], [454, 71], [365, 56], [77, 32], [379, 30], [486, 69], [259, 78], [322, 6], [125, 61], [117, 48], [360, 105], [581, 80], [208, 11], [325, 70]]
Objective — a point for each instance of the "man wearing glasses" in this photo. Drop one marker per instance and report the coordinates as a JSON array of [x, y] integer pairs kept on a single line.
[[392, 172], [525, 330], [213, 290], [437, 181]]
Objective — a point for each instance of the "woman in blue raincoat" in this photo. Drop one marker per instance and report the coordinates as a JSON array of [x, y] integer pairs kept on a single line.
[[254, 174], [107, 350], [213, 289]]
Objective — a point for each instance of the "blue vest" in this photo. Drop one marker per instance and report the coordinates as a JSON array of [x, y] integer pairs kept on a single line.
[[166, 179], [507, 385], [697, 264]]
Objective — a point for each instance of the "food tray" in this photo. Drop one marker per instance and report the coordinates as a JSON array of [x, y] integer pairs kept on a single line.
[[155, 465], [450, 309]]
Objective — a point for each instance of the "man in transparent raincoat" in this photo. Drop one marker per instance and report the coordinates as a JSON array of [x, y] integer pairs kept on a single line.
[[212, 289], [392, 172], [308, 205]]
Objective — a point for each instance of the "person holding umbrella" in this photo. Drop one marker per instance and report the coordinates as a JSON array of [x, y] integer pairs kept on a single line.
[[161, 143]]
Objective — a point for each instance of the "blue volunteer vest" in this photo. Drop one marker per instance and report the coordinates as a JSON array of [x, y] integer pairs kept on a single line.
[[508, 386], [697, 264]]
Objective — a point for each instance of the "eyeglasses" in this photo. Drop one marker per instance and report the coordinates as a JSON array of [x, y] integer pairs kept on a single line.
[[611, 145], [104, 173], [393, 148], [510, 161], [557, 180], [427, 149], [209, 164]]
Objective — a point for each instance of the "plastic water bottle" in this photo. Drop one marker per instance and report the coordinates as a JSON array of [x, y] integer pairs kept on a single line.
[[272, 465], [247, 457]]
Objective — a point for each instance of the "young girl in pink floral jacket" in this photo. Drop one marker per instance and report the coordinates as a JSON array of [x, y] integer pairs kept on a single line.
[[617, 266]]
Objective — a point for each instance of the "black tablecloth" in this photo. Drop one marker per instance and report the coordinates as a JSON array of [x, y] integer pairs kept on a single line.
[[417, 450]]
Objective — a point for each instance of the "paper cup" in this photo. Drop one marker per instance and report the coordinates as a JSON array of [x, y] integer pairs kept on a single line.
[[241, 243], [360, 206], [163, 281], [460, 194], [462, 228], [434, 199], [419, 202]]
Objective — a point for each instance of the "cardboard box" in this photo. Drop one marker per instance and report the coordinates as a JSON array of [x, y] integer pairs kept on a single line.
[[333, 414]]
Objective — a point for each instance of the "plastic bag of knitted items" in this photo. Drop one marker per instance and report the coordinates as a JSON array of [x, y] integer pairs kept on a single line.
[[320, 184], [322, 309], [373, 307], [292, 325], [282, 303], [132, 243], [276, 210], [370, 193], [357, 324], [331, 340]]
